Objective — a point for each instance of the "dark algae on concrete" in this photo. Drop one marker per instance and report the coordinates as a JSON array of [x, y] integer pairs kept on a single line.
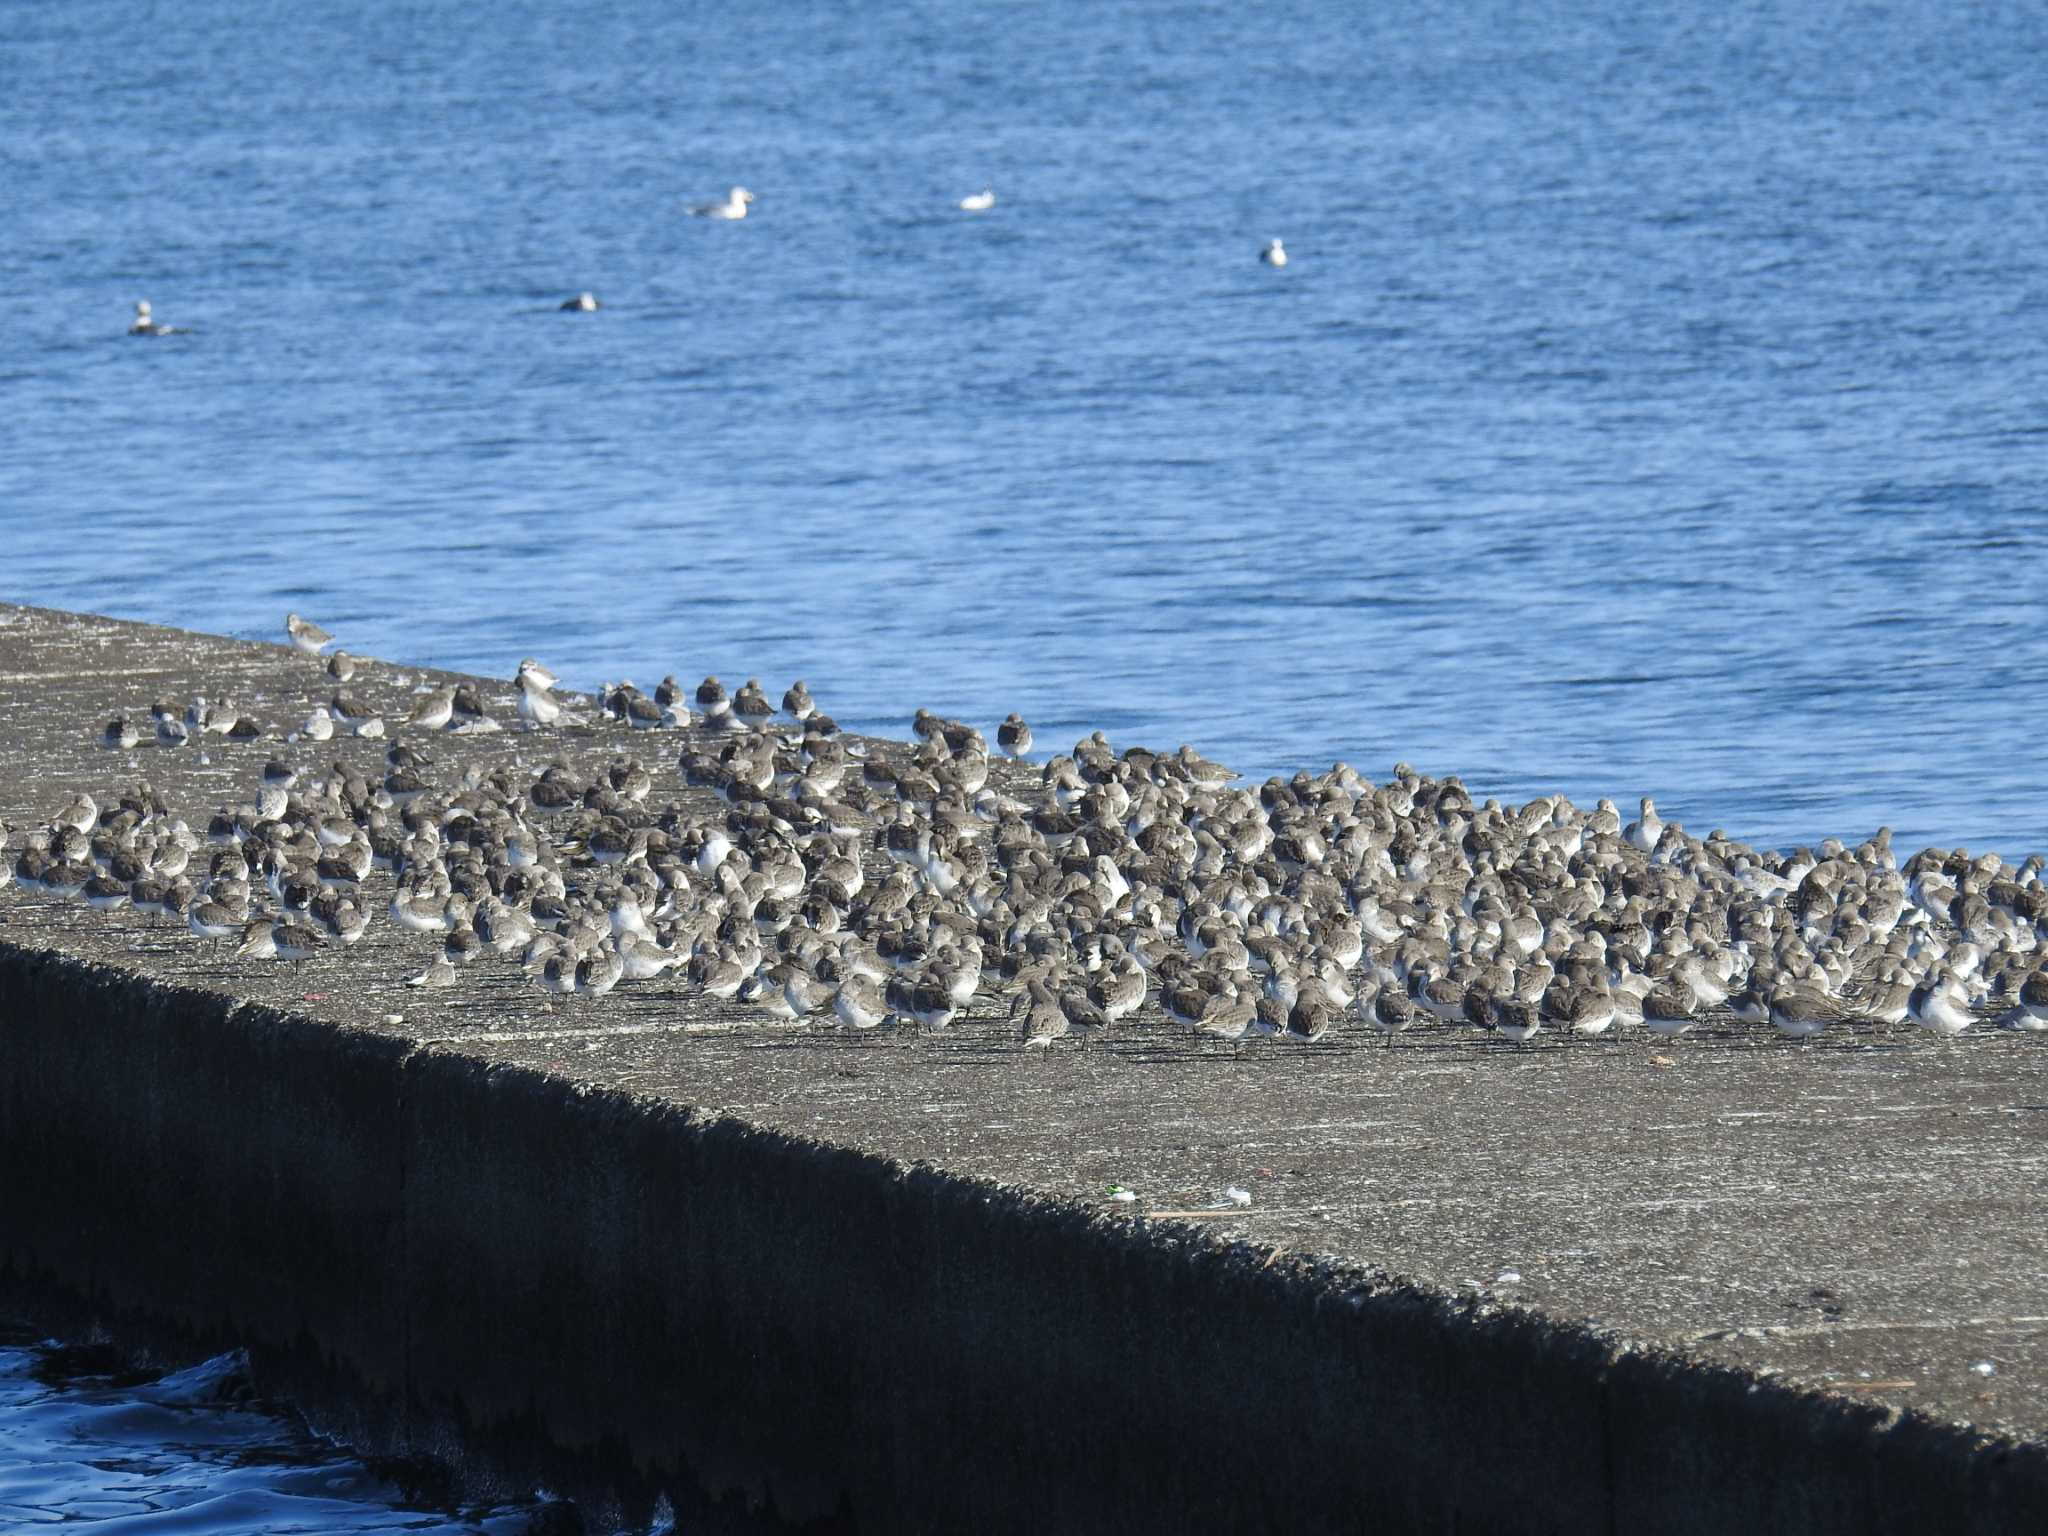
[[659, 1244]]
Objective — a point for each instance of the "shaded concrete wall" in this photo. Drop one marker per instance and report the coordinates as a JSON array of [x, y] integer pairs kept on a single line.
[[618, 1299]]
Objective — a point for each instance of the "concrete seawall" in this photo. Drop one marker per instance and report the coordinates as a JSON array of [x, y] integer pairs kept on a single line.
[[785, 1277]]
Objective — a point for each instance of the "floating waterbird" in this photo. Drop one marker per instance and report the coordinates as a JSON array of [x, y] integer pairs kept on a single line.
[[734, 206], [146, 324]]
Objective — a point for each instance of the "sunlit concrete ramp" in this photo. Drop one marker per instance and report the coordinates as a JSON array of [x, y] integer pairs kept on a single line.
[[653, 1246]]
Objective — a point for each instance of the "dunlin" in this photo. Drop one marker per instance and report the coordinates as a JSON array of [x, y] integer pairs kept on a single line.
[[305, 634]]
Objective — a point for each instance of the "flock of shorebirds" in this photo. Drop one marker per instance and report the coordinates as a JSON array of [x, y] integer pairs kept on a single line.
[[855, 884]]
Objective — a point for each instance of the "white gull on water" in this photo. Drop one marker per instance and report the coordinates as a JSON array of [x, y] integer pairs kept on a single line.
[[734, 206]]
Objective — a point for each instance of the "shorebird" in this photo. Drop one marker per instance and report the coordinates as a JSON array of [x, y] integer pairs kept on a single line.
[[440, 972], [1312, 1016], [1386, 1009], [1512, 1019], [538, 707], [2030, 1009], [557, 974], [213, 921], [305, 634], [470, 714], [435, 711], [1274, 254], [217, 719], [1940, 1006], [712, 702], [718, 973], [1582, 1011], [296, 941], [1668, 1011], [1119, 992], [423, 911], [802, 993], [105, 893], [858, 1003], [599, 971], [354, 716], [1227, 1015], [750, 706], [1437, 994], [1013, 735], [1643, 832], [170, 730], [259, 940], [1045, 1021], [1800, 1012]]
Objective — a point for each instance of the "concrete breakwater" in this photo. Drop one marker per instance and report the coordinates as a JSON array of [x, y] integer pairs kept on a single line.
[[667, 1246]]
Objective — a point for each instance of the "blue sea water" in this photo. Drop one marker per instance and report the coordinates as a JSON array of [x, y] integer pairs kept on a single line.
[[190, 1453]]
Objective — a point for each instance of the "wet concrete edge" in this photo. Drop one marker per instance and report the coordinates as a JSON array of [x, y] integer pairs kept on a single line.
[[618, 1299]]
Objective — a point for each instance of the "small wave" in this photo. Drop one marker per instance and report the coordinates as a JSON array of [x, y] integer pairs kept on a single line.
[[86, 1441]]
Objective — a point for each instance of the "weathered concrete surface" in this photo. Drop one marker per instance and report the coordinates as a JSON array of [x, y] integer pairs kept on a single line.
[[881, 1275]]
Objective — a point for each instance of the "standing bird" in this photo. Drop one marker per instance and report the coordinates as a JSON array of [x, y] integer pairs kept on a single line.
[[1390, 1011], [1940, 1006], [470, 714], [1311, 1016], [435, 710], [306, 635], [214, 921], [1045, 1021], [537, 705], [1643, 832], [858, 1003], [1516, 1020], [531, 671], [712, 702], [1668, 1010], [1013, 735], [2030, 1010], [750, 706], [1800, 1012]]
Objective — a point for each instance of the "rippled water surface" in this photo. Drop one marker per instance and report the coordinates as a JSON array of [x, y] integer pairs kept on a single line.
[[1654, 402], [85, 1443]]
